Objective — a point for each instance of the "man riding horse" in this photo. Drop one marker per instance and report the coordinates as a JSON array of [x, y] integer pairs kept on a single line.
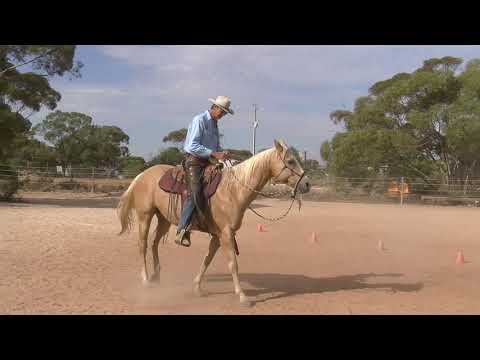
[[201, 144]]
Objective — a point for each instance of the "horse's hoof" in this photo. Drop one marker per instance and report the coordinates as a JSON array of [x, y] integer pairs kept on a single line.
[[145, 281], [200, 293], [245, 302]]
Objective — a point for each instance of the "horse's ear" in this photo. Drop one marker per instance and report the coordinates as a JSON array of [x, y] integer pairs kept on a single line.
[[285, 146], [278, 146]]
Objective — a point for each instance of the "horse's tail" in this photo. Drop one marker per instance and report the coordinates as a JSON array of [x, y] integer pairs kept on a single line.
[[125, 207]]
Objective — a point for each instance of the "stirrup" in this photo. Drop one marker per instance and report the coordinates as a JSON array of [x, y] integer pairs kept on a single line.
[[183, 240]]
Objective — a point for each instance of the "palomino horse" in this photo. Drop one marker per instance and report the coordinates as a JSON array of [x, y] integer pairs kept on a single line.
[[238, 188]]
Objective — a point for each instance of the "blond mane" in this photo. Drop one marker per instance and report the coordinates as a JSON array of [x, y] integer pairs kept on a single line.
[[258, 165]]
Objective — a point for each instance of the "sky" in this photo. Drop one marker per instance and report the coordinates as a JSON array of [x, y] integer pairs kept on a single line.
[[149, 90]]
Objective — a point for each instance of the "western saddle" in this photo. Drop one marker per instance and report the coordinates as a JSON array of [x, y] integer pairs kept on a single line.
[[174, 181]]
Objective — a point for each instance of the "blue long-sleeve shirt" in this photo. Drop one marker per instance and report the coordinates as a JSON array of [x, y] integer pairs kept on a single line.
[[202, 136]]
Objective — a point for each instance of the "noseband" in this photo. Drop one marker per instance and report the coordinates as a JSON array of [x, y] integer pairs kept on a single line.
[[292, 171]]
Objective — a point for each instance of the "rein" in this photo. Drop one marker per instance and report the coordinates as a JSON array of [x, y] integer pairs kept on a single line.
[[293, 196]]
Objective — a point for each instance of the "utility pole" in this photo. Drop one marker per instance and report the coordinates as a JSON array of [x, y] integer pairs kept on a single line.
[[255, 125]]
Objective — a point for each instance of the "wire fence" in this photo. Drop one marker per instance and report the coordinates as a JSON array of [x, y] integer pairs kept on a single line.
[[69, 172], [400, 189], [45, 178], [384, 189]]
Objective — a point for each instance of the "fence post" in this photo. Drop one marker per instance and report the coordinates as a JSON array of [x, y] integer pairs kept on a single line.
[[402, 189], [93, 179]]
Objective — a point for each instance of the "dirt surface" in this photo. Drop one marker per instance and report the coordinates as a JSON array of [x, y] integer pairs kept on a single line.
[[60, 254]]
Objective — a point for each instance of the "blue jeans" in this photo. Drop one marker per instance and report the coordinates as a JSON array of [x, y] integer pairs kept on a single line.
[[194, 184], [186, 214]]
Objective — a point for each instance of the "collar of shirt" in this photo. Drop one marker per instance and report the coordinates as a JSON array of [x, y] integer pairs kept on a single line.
[[209, 117]]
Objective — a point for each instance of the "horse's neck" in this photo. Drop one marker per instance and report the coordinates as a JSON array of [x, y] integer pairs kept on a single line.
[[257, 177]]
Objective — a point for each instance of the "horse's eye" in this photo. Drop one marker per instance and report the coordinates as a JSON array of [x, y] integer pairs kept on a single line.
[[291, 162]]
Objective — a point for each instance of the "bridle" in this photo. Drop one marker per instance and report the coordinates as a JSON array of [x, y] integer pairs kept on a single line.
[[294, 191], [292, 171]]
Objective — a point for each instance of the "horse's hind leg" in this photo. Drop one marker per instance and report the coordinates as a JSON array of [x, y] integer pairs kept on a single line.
[[162, 228], [212, 250], [144, 220]]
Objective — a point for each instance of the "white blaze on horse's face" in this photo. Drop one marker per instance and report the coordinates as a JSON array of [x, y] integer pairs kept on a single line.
[[287, 170]]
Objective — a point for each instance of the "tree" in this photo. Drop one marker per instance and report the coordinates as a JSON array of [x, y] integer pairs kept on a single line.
[[78, 141], [176, 137], [311, 164], [70, 133], [239, 155], [170, 156], [23, 93], [132, 165], [326, 151], [29, 149], [106, 146], [11, 125], [422, 124]]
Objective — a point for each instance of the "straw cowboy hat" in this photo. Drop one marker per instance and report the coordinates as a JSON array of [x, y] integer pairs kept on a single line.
[[223, 102]]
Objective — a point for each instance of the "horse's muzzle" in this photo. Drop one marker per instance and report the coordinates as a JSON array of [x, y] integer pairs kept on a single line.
[[304, 185]]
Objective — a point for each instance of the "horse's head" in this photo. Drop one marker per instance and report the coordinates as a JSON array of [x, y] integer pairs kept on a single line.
[[287, 170]]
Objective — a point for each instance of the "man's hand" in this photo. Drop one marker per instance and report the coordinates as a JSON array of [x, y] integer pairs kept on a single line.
[[222, 155]]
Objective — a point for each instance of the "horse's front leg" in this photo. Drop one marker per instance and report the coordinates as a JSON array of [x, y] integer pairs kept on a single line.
[[228, 248]]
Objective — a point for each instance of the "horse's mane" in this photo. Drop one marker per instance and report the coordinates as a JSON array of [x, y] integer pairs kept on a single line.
[[258, 164]]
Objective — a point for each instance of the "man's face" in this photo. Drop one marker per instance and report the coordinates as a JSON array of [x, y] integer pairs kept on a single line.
[[217, 113]]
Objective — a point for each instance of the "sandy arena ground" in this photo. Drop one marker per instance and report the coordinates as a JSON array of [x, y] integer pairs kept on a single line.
[[63, 256]]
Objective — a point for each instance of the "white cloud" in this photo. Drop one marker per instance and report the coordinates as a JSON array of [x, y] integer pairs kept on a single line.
[[295, 86]]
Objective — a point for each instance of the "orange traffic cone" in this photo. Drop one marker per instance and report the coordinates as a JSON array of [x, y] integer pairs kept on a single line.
[[460, 258], [260, 228], [313, 238], [380, 246]]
